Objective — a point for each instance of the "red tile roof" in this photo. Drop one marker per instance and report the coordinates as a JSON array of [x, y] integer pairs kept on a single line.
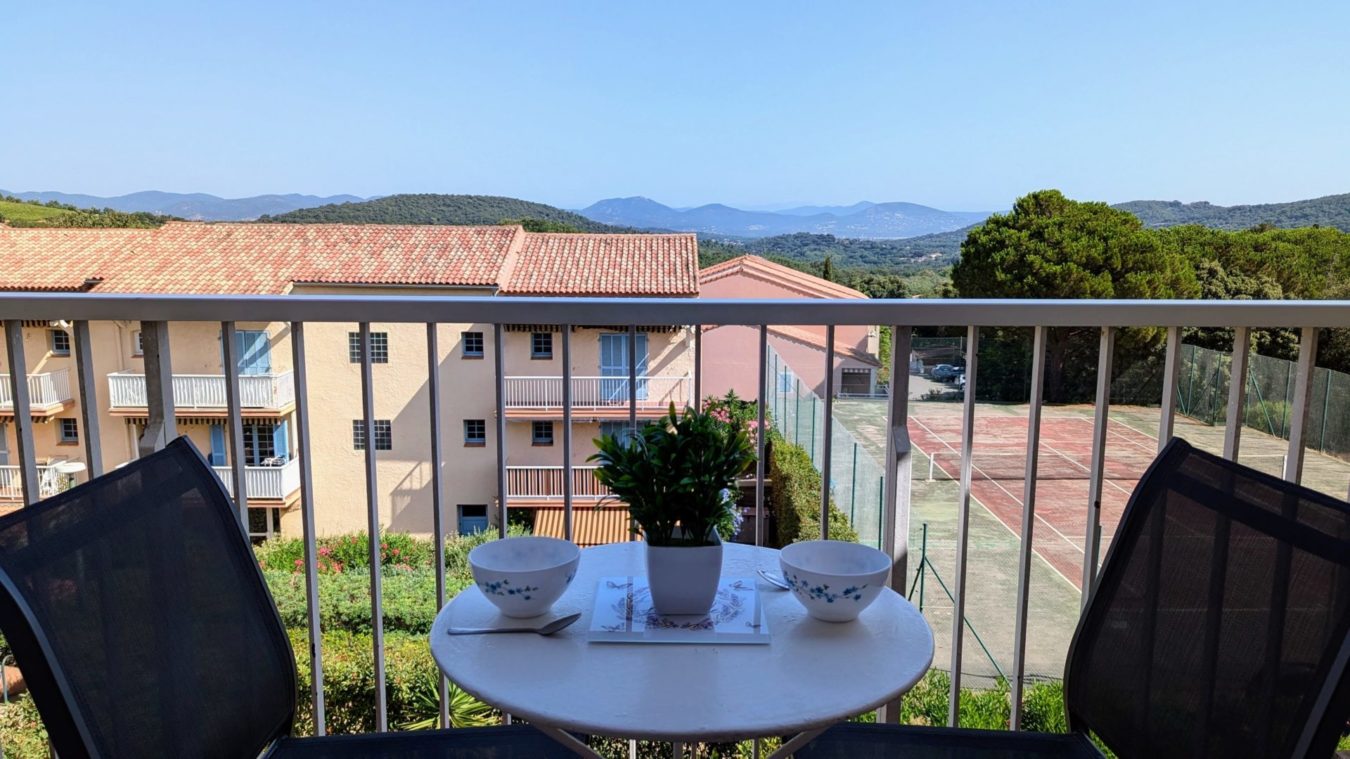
[[807, 285], [583, 264], [243, 258]]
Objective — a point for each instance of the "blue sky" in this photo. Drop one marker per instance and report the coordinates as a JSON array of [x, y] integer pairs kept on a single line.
[[959, 105]]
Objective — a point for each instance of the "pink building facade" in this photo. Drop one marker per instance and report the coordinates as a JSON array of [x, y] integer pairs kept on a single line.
[[731, 352]]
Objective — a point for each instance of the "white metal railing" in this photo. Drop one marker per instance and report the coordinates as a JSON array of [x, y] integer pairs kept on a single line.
[[44, 390], [653, 392], [11, 488], [494, 313], [545, 483], [206, 391], [264, 482]]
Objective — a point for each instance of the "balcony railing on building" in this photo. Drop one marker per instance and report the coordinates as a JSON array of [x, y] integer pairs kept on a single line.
[[50, 482], [654, 392], [46, 391], [545, 483], [206, 391], [265, 483]]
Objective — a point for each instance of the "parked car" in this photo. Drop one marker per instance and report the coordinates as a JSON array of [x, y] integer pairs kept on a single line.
[[945, 372]]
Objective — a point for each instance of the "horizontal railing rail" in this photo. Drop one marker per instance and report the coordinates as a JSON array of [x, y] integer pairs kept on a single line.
[[161, 393], [653, 392], [45, 389], [206, 391]]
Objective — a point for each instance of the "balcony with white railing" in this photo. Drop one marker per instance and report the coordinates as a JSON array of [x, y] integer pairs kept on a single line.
[[47, 391], [265, 483], [544, 484], [654, 393], [206, 392]]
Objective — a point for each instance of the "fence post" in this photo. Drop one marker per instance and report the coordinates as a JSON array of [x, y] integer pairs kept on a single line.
[[797, 415], [1326, 406], [813, 429], [923, 562]]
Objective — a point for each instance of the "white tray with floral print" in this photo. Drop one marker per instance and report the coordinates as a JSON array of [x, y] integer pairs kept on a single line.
[[624, 614]]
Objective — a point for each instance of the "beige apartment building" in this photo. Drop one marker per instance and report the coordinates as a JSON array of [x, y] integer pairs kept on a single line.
[[274, 259]]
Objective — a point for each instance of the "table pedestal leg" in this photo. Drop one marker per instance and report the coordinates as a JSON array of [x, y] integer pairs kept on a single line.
[[799, 740]]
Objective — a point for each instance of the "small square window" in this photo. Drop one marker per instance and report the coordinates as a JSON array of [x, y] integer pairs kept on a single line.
[[70, 431], [384, 435], [475, 432], [541, 345], [137, 347], [379, 347], [543, 433], [472, 344], [473, 519], [60, 342]]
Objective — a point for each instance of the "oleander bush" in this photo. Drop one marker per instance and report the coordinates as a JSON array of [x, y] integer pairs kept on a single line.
[[409, 599], [796, 495]]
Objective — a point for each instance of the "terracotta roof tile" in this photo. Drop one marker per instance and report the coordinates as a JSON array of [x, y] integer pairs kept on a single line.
[[590, 264], [243, 258], [754, 266]]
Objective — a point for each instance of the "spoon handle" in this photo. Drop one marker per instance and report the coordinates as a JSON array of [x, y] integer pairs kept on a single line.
[[488, 630]]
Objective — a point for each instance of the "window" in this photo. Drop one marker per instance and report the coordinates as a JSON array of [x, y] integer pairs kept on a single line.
[[543, 433], [70, 431], [621, 430], [137, 347], [60, 342], [541, 345], [473, 519], [472, 344], [384, 435], [379, 347], [475, 432]]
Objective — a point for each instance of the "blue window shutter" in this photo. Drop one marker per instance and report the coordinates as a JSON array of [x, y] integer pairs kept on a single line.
[[217, 445], [280, 445], [253, 351]]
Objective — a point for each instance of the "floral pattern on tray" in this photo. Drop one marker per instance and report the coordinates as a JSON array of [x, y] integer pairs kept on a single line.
[[624, 613]]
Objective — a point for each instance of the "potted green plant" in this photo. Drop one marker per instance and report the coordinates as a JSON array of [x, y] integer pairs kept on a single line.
[[678, 478]]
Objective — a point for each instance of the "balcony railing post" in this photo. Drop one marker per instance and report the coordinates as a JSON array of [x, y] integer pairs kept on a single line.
[[499, 364], [1171, 375], [373, 528], [896, 479], [437, 496], [1100, 420], [963, 524], [23, 419], [1298, 426], [84, 372], [827, 445], [1024, 556], [567, 430], [1237, 393], [229, 346], [161, 424], [303, 451], [698, 367]]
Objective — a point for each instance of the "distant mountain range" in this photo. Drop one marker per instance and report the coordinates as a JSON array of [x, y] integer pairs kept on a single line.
[[197, 206], [861, 220], [446, 209], [1329, 211]]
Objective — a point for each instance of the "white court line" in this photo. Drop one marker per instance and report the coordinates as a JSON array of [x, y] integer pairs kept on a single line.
[[1016, 500], [1071, 460]]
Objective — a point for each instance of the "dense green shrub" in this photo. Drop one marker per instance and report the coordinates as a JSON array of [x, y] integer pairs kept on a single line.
[[1043, 708], [22, 735], [796, 495], [341, 553], [344, 598]]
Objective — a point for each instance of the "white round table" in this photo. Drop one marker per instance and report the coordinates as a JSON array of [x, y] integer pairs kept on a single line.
[[811, 675]]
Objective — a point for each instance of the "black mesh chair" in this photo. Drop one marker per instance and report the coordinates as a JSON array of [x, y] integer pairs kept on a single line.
[[1217, 628], [144, 628]]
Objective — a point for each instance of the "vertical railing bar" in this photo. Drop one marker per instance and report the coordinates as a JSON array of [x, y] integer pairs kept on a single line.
[[161, 425], [1096, 472], [1171, 375], [1028, 522], [896, 480], [698, 367], [632, 402], [373, 527], [236, 424], [1298, 424], [437, 494], [826, 447], [760, 434], [963, 523], [23, 412], [84, 378], [303, 449], [568, 529], [1237, 393], [499, 361]]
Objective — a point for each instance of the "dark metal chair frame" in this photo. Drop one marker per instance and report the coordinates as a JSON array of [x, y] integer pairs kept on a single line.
[[1321, 716], [74, 729]]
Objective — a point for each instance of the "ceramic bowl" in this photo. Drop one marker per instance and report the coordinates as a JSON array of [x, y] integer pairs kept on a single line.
[[833, 579], [524, 576]]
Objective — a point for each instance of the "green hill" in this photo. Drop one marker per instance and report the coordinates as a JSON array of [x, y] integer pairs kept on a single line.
[[26, 213], [1330, 211], [446, 209]]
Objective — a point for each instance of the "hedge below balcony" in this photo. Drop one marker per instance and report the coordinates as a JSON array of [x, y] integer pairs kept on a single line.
[[796, 495]]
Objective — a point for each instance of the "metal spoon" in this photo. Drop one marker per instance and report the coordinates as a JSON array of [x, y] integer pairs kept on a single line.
[[547, 629], [774, 579]]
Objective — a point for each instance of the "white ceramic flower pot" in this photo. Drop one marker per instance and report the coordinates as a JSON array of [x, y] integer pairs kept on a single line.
[[683, 579]]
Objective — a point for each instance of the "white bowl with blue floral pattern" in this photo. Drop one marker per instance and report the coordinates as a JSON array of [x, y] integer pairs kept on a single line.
[[524, 576], [835, 580]]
